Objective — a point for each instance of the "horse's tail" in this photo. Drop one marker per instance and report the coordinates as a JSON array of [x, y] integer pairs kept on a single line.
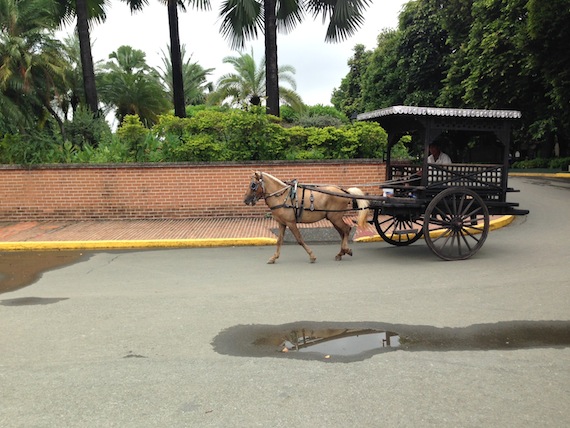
[[362, 205]]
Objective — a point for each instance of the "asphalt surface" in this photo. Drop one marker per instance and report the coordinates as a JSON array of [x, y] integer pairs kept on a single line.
[[178, 337]]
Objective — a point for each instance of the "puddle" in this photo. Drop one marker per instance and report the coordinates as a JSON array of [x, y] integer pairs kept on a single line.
[[347, 342], [29, 301], [19, 269]]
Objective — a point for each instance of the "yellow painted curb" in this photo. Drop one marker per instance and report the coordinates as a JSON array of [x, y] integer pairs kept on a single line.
[[136, 244], [540, 174], [493, 225]]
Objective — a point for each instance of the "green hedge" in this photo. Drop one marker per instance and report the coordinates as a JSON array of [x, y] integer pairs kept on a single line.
[[207, 136], [541, 163]]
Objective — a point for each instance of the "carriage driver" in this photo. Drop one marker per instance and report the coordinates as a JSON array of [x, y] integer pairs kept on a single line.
[[437, 156]]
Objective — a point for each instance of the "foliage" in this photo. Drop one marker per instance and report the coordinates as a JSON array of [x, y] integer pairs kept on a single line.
[[133, 134], [554, 163], [86, 128], [130, 86], [32, 64], [243, 19], [318, 116], [28, 150], [247, 85], [531, 163], [493, 54], [196, 85], [559, 163], [348, 98]]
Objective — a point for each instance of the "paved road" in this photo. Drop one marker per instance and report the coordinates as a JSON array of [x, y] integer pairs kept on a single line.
[[165, 338]]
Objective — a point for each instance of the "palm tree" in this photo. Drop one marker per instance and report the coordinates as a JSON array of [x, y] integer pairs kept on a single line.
[[194, 77], [175, 50], [242, 19], [129, 85], [85, 11], [248, 83], [32, 64], [73, 76]]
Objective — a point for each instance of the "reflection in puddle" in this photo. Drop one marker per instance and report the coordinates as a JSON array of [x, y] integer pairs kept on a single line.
[[331, 342], [347, 342]]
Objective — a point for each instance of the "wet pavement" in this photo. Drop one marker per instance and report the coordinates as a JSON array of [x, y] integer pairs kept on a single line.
[[193, 336]]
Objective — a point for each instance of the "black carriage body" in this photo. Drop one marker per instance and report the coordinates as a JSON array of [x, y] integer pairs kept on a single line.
[[452, 197], [470, 135]]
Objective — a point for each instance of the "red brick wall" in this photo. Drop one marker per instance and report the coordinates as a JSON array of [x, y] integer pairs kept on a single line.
[[158, 191]]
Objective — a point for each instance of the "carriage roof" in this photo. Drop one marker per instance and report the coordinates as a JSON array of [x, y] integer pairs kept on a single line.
[[440, 112], [432, 121]]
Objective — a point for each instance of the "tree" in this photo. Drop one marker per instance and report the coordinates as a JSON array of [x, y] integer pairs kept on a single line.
[[73, 76], [242, 19], [85, 11], [422, 49], [32, 64], [248, 83], [130, 86], [175, 50], [547, 41], [383, 80], [348, 97], [194, 76]]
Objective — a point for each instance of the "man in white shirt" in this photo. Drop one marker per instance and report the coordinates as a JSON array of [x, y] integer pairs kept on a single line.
[[437, 156]]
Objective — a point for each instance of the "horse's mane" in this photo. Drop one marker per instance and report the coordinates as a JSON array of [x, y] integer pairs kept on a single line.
[[272, 177]]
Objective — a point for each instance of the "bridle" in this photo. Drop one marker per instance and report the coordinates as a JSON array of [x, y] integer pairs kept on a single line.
[[254, 186]]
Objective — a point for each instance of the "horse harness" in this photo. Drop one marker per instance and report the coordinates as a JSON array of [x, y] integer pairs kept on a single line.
[[293, 187]]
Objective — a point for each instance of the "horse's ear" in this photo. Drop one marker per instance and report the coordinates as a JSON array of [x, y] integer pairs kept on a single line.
[[257, 174]]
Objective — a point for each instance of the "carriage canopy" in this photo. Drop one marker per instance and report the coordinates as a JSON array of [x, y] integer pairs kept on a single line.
[[467, 135]]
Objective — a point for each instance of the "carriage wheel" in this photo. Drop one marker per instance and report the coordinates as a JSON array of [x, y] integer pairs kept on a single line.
[[399, 229], [456, 224]]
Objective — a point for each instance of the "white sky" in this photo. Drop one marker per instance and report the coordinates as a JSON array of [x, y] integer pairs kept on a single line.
[[319, 66]]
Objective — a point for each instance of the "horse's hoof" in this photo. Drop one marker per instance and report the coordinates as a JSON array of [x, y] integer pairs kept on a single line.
[[271, 261], [338, 258], [313, 259], [349, 252]]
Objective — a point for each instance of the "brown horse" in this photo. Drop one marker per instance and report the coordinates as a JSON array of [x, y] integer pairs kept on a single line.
[[293, 203]]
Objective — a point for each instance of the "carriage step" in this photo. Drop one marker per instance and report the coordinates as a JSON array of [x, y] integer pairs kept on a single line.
[[405, 232]]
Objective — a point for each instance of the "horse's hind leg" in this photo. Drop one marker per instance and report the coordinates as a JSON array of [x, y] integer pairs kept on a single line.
[[275, 256], [297, 234], [343, 230]]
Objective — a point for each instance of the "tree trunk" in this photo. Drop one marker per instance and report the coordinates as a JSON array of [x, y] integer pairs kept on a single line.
[[271, 67], [86, 57], [176, 60]]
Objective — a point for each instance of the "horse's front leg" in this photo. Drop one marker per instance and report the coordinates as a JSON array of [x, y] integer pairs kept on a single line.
[[275, 256]]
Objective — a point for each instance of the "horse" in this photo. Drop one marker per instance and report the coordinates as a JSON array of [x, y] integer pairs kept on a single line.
[[291, 203]]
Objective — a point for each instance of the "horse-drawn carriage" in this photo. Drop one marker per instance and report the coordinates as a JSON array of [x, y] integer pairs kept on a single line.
[[448, 204]]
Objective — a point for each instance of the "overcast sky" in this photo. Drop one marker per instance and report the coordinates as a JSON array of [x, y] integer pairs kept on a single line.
[[319, 66]]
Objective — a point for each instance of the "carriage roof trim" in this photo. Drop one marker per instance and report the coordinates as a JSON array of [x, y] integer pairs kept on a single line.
[[441, 112]]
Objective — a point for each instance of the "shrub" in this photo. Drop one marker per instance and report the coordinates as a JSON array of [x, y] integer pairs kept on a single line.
[[112, 151], [200, 148], [86, 128], [559, 163], [531, 163], [135, 136]]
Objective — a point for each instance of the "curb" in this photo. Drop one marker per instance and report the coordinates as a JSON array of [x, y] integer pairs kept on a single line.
[[493, 225], [540, 174], [175, 243], [135, 244]]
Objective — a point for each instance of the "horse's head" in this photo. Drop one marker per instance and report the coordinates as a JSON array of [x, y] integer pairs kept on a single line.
[[256, 189]]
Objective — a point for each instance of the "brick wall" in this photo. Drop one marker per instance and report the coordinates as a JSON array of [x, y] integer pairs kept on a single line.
[[158, 191]]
